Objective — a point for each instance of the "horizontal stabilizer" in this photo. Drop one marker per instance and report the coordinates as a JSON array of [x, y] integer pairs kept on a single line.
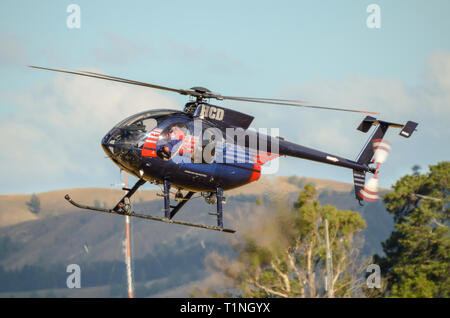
[[408, 129], [366, 124], [382, 126], [370, 121]]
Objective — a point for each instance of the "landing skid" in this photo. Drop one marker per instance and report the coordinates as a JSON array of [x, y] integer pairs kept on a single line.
[[149, 217]]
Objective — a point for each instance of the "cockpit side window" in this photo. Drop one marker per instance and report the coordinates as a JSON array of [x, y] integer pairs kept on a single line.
[[144, 125], [173, 140], [150, 124]]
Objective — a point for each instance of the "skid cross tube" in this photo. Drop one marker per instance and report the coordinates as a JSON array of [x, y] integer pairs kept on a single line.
[[180, 205], [130, 192]]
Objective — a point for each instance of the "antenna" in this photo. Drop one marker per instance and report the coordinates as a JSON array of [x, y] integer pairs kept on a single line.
[[128, 250], [127, 242], [329, 264]]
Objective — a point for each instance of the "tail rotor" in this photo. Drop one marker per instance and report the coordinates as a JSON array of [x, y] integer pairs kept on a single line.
[[381, 151]]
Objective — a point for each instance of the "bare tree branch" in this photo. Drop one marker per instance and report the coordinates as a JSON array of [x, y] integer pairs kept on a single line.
[[268, 290], [283, 276]]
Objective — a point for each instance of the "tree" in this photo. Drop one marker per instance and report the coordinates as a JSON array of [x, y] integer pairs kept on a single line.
[[416, 170], [285, 255], [34, 205], [417, 260]]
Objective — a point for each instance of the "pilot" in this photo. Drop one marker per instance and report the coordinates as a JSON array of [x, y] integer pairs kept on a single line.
[[173, 137], [176, 133]]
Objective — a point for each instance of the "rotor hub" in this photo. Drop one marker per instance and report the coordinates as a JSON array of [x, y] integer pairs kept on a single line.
[[200, 94], [201, 90]]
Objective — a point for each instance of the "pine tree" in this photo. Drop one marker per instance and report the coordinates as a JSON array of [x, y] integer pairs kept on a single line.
[[417, 261], [34, 205]]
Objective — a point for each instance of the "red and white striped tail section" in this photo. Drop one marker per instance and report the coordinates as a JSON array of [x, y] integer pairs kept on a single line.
[[149, 147], [370, 190], [381, 151]]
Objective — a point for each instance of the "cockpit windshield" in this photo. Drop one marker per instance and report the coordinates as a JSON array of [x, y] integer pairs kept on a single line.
[[126, 140], [133, 130], [145, 120]]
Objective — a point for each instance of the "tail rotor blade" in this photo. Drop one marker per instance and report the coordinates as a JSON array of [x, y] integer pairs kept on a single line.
[[381, 149], [370, 190]]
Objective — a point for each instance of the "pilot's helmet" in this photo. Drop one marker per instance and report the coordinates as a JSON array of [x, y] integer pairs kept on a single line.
[[176, 133]]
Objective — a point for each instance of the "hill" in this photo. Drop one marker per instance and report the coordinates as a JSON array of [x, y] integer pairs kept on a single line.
[[13, 207], [165, 256]]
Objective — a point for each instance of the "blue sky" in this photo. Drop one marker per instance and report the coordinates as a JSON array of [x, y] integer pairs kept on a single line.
[[320, 51]]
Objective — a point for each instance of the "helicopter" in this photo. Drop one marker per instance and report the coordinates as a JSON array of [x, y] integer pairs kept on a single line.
[[209, 149]]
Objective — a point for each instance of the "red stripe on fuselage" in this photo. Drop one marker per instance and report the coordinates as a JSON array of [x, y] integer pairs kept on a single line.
[[148, 152], [256, 172], [151, 143]]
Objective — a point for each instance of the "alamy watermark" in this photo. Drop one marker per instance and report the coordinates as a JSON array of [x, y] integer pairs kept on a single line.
[[233, 146], [74, 279], [374, 279], [373, 21], [73, 21]]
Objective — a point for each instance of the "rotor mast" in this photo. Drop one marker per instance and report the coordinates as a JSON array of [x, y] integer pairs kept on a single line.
[[200, 95]]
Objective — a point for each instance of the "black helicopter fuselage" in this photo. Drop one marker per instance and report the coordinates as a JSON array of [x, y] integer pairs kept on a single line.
[[213, 148]]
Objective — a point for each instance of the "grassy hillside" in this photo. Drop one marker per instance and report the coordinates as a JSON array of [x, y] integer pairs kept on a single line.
[[13, 207], [61, 235]]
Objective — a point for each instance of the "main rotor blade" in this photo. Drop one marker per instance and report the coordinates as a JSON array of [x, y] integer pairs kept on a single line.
[[268, 101], [124, 80], [113, 78], [273, 101]]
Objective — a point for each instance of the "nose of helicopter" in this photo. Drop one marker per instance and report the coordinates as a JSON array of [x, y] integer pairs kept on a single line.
[[106, 143], [115, 144]]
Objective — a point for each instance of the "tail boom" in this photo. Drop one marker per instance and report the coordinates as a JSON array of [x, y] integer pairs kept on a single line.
[[293, 150], [375, 150]]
